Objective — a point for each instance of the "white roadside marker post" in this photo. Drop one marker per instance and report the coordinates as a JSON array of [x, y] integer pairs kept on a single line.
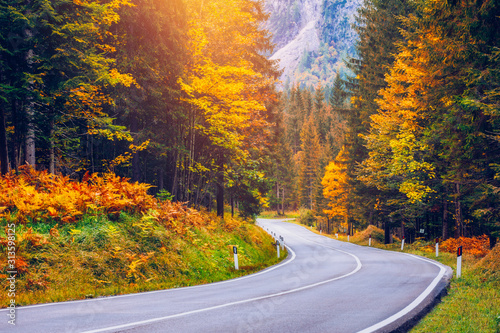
[[402, 244], [459, 261], [337, 235], [278, 247], [370, 241], [282, 242], [437, 247], [235, 252]]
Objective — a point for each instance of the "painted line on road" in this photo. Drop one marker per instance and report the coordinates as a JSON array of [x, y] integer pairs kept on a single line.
[[410, 306], [358, 262], [182, 314], [413, 304]]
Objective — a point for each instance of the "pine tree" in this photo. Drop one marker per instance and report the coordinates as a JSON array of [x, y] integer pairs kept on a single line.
[[309, 163]]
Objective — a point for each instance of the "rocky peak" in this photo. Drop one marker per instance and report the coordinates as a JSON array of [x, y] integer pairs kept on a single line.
[[311, 37]]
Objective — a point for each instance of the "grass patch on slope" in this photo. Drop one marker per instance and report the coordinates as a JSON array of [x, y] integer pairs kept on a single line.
[[99, 257], [473, 300], [74, 240]]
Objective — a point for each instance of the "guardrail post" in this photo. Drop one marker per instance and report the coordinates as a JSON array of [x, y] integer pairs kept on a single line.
[[459, 261], [235, 252]]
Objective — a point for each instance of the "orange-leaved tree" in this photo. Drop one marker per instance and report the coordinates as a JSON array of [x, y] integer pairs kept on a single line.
[[338, 190]]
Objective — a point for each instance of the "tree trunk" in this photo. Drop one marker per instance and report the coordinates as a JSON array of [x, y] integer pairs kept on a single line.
[[459, 224], [92, 164], [220, 195], [52, 155], [16, 143], [387, 232], [134, 128], [4, 152], [283, 201], [29, 141], [176, 176], [29, 144], [30, 157], [278, 198], [220, 186], [445, 220], [402, 235], [232, 206]]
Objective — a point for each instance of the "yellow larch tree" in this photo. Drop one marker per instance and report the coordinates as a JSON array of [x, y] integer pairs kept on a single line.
[[337, 189]]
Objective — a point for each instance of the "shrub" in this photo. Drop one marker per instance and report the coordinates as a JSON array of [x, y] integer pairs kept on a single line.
[[476, 246], [307, 217], [32, 196], [376, 233]]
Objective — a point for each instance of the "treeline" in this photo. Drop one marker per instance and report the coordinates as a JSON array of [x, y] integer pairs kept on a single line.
[[420, 152], [173, 93], [311, 127]]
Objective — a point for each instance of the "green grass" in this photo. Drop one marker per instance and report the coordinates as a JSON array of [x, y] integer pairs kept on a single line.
[[272, 214], [101, 256], [472, 305]]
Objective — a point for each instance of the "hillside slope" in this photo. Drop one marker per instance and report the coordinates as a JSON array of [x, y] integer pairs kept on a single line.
[[312, 38], [105, 236]]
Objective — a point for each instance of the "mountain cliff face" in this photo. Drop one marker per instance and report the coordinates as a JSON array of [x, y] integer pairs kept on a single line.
[[312, 38]]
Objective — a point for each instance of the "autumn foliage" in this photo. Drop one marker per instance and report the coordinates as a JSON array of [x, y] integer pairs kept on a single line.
[[35, 195], [376, 234], [104, 235], [476, 246], [491, 262]]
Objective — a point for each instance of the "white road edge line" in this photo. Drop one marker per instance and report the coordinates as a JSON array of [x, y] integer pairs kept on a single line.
[[413, 304], [265, 271], [153, 320], [410, 306]]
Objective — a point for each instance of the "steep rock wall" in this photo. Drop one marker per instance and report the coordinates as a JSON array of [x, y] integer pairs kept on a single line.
[[312, 37]]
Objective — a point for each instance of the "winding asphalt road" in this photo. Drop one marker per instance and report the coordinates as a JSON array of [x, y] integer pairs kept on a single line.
[[323, 286]]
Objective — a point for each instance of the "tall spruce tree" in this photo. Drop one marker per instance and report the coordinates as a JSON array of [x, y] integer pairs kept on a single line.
[[378, 27]]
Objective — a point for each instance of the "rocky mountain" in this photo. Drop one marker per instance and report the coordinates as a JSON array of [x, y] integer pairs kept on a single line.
[[312, 38]]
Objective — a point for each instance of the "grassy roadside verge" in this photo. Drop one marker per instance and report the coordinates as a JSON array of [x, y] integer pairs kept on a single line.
[[473, 300], [62, 239], [99, 257]]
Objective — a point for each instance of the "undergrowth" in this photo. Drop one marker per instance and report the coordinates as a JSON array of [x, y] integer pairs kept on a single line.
[[91, 240]]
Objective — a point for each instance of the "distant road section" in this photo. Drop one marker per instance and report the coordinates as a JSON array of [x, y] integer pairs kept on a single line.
[[323, 286]]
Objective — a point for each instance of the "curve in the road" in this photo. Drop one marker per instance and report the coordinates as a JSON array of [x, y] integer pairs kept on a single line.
[[412, 306], [358, 267], [300, 290]]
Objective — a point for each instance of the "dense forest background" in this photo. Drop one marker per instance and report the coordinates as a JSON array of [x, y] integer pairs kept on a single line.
[[410, 141], [179, 95], [173, 93]]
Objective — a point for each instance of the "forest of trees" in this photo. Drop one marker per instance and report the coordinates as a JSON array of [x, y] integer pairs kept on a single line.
[[179, 94], [410, 141], [173, 93]]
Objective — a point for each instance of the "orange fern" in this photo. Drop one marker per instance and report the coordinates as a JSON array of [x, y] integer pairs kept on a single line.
[[476, 246]]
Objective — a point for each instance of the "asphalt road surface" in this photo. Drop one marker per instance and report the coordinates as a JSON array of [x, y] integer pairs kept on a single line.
[[323, 286]]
